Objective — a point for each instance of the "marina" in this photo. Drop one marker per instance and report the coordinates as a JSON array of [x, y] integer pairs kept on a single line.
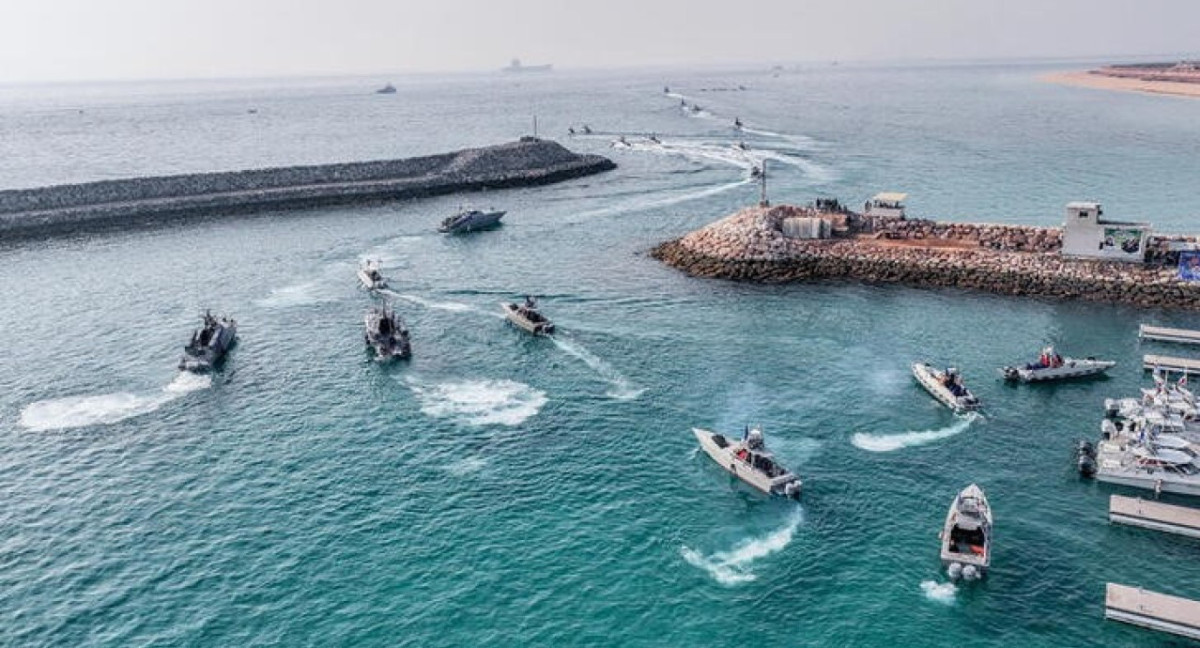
[[1135, 511], [1153, 610]]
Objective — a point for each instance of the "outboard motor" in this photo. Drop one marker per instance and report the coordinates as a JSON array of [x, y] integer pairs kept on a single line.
[[1010, 373], [792, 489], [954, 570], [1111, 407], [1085, 456], [970, 572]]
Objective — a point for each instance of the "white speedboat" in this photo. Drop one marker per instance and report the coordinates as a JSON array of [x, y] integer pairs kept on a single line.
[[1051, 366], [471, 220], [528, 317], [967, 535], [387, 334], [946, 386], [370, 276], [1149, 466], [749, 461]]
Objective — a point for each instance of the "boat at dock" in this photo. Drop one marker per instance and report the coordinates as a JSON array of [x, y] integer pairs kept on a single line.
[[1051, 366], [370, 276], [471, 220], [749, 461], [210, 343], [946, 386], [387, 334], [1148, 465], [966, 536], [528, 317]]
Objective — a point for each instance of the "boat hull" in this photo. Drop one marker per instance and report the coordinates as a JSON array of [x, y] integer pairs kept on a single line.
[[209, 357], [1071, 369], [474, 223], [974, 562], [533, 328], [925, 375], [727, 460]]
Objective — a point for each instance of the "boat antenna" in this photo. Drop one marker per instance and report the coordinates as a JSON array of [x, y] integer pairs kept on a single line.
[[535, 125], [762, 180]]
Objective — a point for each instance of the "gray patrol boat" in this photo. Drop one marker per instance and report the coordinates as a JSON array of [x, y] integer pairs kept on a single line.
[[471, 220], [209, 344]]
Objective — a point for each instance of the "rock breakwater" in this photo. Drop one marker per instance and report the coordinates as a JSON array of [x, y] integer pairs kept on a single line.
[[1004, 259], [121, 203]]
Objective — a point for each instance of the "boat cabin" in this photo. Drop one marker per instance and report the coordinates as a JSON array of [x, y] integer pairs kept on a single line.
[[889, 204]]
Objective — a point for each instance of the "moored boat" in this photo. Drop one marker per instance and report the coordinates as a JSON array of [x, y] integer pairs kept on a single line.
[[528, 317], [471, 220], [946, 386], [1051, 366], [966, 537], [209, 344], [387, 334], [370, 276], [749, 460], [1151, 466]]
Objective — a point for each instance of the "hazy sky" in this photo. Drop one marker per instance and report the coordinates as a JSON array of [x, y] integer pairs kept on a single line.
[[49, 40]]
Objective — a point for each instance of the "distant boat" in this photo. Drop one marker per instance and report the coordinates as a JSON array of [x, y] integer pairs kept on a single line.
[[387, 89], [516, 66], [209, 344], [471, 220]]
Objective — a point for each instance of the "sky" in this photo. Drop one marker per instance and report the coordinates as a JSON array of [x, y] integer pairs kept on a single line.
[[67, 40]]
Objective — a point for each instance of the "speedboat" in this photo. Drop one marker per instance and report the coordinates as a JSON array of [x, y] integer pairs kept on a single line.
[[1152, 466], [967, 536], [750, 461], [387, 334], [946, 386], [470, 220], [209, 344], [1051, 366], [387, 89], [528, 317], [370, 276]]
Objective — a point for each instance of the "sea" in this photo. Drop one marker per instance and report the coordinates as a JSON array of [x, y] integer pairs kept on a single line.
[[505, 490]]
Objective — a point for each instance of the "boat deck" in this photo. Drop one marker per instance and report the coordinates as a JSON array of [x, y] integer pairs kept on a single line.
[[1152, 610], [1165, 334], [1168, 518]]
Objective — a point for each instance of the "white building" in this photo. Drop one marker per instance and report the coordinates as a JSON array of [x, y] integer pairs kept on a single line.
[[888, 204], [1086, 234]]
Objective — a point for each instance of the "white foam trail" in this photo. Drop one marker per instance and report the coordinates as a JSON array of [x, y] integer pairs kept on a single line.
[[621, 389], [480, 402], [733, 566], [890, 442], [663, 202], [105, 409], [941, 592], [303, 294], [465, 466]]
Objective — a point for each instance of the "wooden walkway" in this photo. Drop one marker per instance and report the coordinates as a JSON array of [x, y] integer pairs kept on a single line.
[[1138, 512], [1171, 363], [1164, 334], [1152, 610]]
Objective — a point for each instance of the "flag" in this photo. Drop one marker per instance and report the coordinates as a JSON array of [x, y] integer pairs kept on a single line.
[[1183, 380]]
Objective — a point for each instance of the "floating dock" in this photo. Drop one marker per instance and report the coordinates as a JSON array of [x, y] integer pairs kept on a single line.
[[1137, 512], [1170, 363], [1152, 610], [1164, 334]]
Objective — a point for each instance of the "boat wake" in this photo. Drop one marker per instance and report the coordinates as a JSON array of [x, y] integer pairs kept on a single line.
[[106, 409], [304, 294], [668, 201], [479, 402], [621, 388], [732, 567], [941, 592], [891, 442]]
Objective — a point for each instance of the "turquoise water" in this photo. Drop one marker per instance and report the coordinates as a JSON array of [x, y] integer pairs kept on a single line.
[[506, 490]]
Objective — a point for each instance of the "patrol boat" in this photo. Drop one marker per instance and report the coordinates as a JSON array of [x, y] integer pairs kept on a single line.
[[370, 276], [1051, 366], [387, 334], [209, 344], [471, 220], [967, 536], [750, 462], [946, 386], [527, 317]]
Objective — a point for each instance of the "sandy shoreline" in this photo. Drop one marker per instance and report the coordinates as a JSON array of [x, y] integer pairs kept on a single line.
[[1102, 82]]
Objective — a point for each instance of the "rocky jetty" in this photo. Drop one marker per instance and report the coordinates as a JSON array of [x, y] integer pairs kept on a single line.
[[122, 203], [1006, 259]]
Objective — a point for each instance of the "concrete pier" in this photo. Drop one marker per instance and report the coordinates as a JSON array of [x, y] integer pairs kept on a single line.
[[1150, 362], [44, 211], [1152, 610], [1165, 334], [1134, 511]]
